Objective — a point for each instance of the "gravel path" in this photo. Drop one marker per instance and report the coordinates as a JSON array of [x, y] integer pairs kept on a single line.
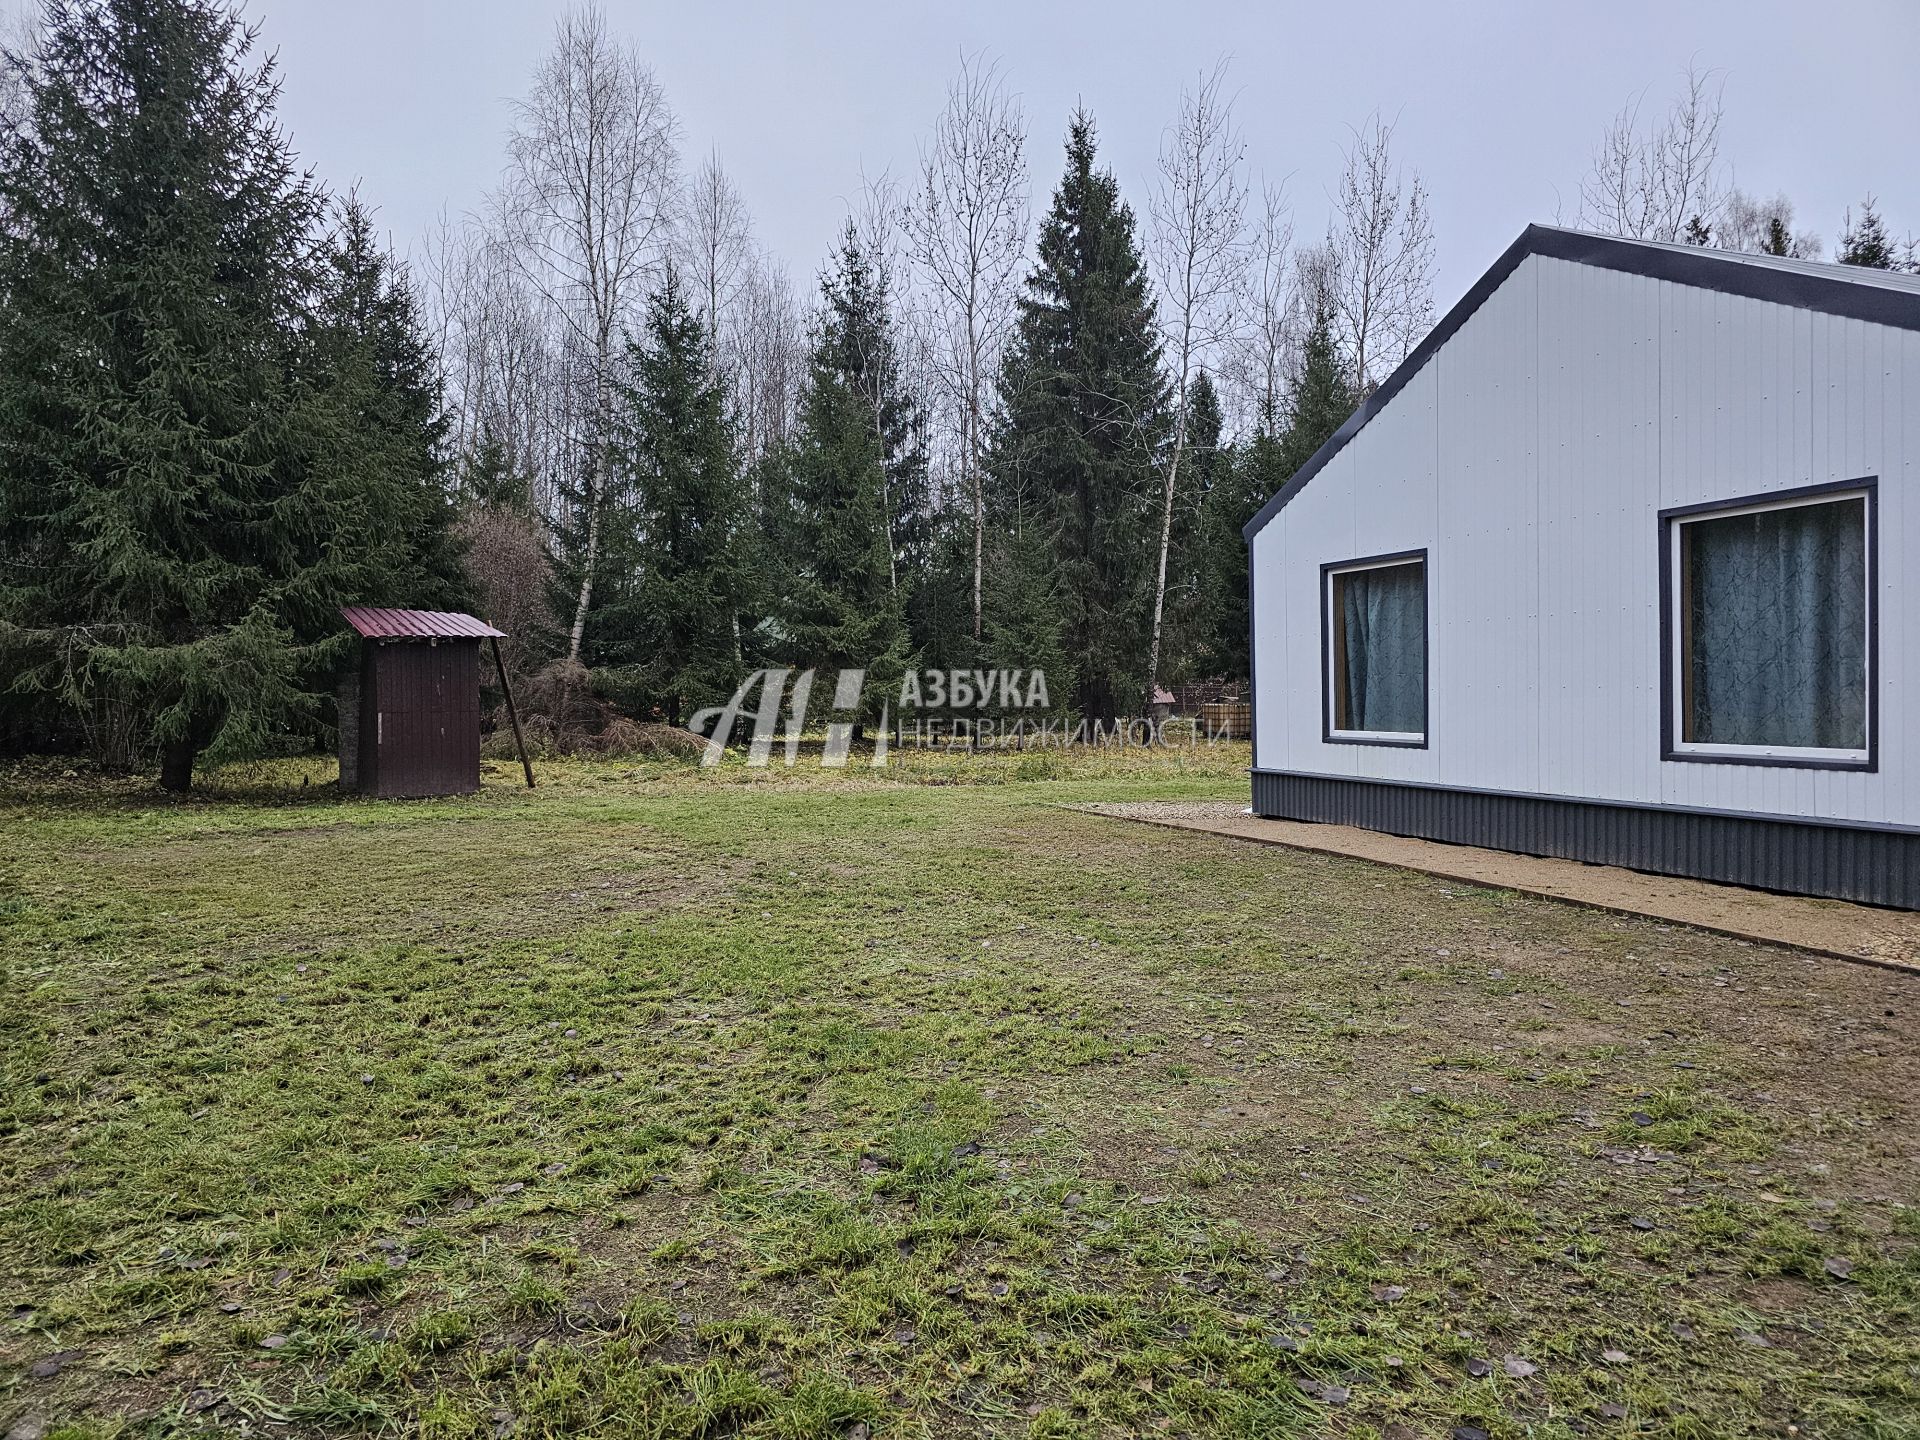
[[1830, 927]]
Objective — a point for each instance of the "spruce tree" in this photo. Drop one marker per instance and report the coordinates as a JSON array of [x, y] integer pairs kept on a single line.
[[674, 633], [1318, 402], [1866, 241], [940, 606], [487, 476], [1020, 617], [858, 336], [1082, 414], [839, 604], [381, 421], [175, 549], [1190, 554]]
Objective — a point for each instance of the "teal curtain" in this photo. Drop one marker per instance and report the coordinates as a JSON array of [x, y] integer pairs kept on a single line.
[[1383, 613], [1776, 649]]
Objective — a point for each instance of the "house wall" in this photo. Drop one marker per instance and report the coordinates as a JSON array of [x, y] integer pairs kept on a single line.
[[1531, 457]]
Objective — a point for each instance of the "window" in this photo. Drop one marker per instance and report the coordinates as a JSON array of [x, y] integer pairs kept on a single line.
[[1375, 674], [1769, 622]]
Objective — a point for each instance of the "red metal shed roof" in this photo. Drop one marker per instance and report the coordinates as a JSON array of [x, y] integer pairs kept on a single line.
[[376, 623]]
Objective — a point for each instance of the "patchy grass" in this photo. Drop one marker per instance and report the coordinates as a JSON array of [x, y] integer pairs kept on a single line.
[[660, 1102]]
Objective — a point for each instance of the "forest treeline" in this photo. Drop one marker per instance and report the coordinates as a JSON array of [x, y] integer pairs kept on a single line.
[[601, 414]]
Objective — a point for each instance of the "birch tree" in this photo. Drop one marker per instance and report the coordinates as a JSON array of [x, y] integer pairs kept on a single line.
[[1657, 182], [1267, 336], [1197, 218], [1381, 245], [588, 200], [968, 232], [715, 248], [1763, 227], [500, 354], [766, 348]]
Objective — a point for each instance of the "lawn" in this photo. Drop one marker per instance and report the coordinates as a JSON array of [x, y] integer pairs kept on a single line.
[[659, 1102]]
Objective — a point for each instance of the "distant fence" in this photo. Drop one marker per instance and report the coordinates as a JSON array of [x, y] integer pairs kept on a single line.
[[1226, 720]]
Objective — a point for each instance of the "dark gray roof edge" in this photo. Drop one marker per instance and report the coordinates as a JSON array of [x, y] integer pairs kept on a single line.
[[1702, 268]]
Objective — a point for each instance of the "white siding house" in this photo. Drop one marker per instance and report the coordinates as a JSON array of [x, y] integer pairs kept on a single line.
[[1623, 565]]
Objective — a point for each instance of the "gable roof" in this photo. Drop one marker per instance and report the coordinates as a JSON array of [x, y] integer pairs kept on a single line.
[[1883, 297], [375, 622]]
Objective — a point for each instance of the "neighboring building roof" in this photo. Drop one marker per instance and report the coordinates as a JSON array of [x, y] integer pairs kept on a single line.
[[1883, 297], [375, 623]]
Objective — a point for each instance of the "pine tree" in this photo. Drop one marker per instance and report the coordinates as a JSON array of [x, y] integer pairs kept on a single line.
[[1867, 242], [1082, 414], [840, 605], [175, 542], [675, 632]]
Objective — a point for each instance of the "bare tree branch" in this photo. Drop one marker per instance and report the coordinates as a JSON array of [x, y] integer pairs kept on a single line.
[[1654, 184], [588, 200], [968, 231], [1260, 356], [1197, 218], [714, 245], [1381, 249]]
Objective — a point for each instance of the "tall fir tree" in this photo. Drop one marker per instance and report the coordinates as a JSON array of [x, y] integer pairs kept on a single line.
[[179, 522], [1082, 414], [840, 604], [940, 605], [673, 636]]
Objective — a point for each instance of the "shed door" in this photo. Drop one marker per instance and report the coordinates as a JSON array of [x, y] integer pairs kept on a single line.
[[428, 718]]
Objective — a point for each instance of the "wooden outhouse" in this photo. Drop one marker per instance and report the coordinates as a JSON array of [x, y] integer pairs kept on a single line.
[[410, 710]]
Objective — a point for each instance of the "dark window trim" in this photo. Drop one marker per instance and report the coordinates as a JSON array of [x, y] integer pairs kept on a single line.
[[1374, 562], [1869, 485]]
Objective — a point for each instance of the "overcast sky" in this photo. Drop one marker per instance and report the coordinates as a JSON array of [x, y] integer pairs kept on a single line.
[[1498, 112]]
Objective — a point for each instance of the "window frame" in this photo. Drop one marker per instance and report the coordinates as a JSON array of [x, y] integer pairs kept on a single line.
[[1393, 739], [1672, 523]]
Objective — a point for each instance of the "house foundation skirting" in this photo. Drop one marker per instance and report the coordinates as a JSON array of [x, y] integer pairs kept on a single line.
[[1876, 864]]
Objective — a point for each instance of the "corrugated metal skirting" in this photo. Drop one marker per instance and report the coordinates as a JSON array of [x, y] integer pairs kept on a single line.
[[1843, 862]]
